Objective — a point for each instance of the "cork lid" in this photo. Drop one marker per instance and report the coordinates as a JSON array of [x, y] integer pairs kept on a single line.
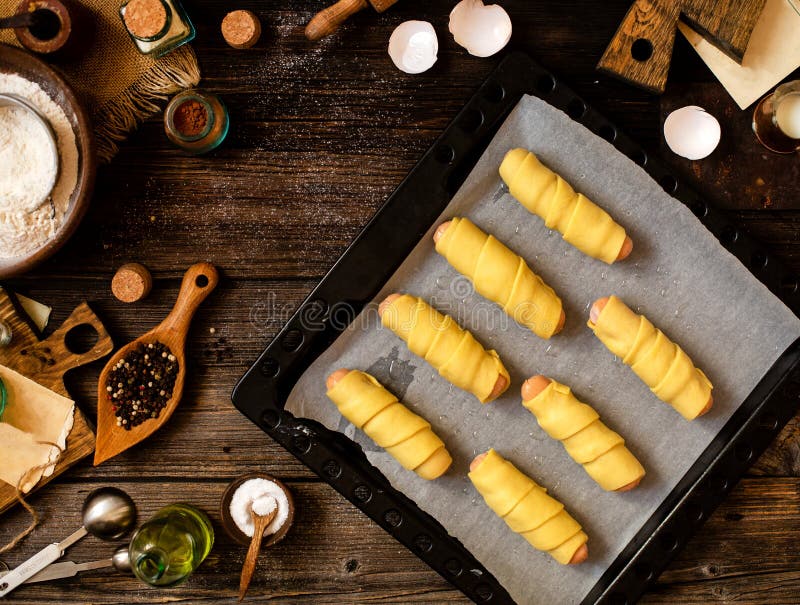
[[145, 19], [131, 283], [241, 28]]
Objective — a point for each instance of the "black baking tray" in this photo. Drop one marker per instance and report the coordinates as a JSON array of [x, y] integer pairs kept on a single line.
[[374, 256]]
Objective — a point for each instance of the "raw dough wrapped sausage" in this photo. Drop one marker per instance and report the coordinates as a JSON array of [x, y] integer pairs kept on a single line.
[[406, 437], [660, 363], [578, 427], [528, 509], [448, 347], [580, 221], [501, 276]]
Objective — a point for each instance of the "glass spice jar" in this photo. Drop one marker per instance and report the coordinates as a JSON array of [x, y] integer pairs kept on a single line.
[[196, 121], [156, 26]]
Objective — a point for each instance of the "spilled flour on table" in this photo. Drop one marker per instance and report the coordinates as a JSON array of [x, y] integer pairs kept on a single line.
[[24, 230]]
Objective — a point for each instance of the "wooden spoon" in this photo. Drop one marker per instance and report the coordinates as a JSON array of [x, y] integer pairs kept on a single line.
[[260, 522], [198, 282]]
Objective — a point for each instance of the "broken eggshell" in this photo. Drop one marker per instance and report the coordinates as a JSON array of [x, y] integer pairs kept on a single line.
[[692, 132], [482, 30], [413, 46]]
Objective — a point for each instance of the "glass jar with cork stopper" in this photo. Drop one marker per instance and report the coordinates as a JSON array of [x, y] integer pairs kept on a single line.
[[196, 121], [156, 26]]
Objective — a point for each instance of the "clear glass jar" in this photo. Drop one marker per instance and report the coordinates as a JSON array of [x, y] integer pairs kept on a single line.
[[776, 119], [156, 26], [196, 121]]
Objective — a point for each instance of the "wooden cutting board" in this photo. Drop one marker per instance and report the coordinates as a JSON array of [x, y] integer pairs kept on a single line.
[[46, 361], [641, 50]]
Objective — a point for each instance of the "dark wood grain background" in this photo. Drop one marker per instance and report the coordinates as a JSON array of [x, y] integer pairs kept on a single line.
[[321, 134]]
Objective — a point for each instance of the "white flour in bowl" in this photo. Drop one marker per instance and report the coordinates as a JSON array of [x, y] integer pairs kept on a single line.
[[24, 229]]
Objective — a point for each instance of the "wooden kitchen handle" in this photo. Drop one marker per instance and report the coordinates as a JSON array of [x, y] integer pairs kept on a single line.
[[198, 282], [327, 21], [641, 50]]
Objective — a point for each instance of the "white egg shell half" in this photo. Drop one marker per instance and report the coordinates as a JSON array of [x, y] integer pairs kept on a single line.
[[413, 46], [482, 30], [692, 132]]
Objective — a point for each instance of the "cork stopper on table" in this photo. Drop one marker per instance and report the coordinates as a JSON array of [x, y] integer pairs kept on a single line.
[[132, 282], [241, 28], [145, 18]]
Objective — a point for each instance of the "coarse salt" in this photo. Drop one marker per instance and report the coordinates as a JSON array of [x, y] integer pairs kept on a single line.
[[259, 494], [264, 505]]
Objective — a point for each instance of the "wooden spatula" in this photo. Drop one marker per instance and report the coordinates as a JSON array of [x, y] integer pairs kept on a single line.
[[325, 22], [198, 282]]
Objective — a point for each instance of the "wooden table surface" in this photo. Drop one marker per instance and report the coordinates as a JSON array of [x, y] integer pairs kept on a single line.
[[321, 134]]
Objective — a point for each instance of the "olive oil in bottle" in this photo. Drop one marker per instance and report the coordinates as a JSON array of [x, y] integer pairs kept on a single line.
[[165, 550]]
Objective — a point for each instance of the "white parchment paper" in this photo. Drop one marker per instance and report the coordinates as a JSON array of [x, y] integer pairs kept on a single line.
[[678, 275]]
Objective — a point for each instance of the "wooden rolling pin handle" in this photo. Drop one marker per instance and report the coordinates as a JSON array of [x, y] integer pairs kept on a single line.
[[197, 284], [325, 22]]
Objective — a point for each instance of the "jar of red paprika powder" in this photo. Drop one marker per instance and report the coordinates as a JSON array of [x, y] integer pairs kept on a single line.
[[196, 121]]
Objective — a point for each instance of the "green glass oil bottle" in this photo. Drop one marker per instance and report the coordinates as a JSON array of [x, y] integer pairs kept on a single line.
[[165, 550]]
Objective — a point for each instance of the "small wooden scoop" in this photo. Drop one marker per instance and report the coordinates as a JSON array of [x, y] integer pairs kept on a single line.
[[261, 522], [327, 21], [198, 282]]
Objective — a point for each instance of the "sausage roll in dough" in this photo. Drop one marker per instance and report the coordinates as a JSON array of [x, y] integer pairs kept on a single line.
[[501, 276], [580, 221], [578, 427], [527, 508], [448, 347], [405, 436], [660, 363]]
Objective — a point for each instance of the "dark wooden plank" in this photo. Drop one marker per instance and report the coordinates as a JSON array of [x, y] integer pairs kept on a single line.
[[745, 553], [725, 23]]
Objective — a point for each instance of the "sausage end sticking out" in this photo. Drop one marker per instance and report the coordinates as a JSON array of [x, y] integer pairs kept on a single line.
[[386, 302], [437, 235], [476, 462], [499, 387], [533, 386], [597, 308], [336, 377], [580, 555], [627, 248]]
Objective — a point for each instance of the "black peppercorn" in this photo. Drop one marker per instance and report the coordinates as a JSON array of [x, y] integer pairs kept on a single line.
[[140, 384]]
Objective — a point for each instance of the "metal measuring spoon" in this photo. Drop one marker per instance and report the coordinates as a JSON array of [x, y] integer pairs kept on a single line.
[[9, 100], [108, 513], [68, 569]]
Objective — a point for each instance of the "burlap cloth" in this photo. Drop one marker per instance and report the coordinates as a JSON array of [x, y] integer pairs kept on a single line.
[[120, 85]]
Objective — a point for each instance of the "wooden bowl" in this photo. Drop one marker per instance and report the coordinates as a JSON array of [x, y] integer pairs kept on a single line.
[[14, 60], [230, 525]]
